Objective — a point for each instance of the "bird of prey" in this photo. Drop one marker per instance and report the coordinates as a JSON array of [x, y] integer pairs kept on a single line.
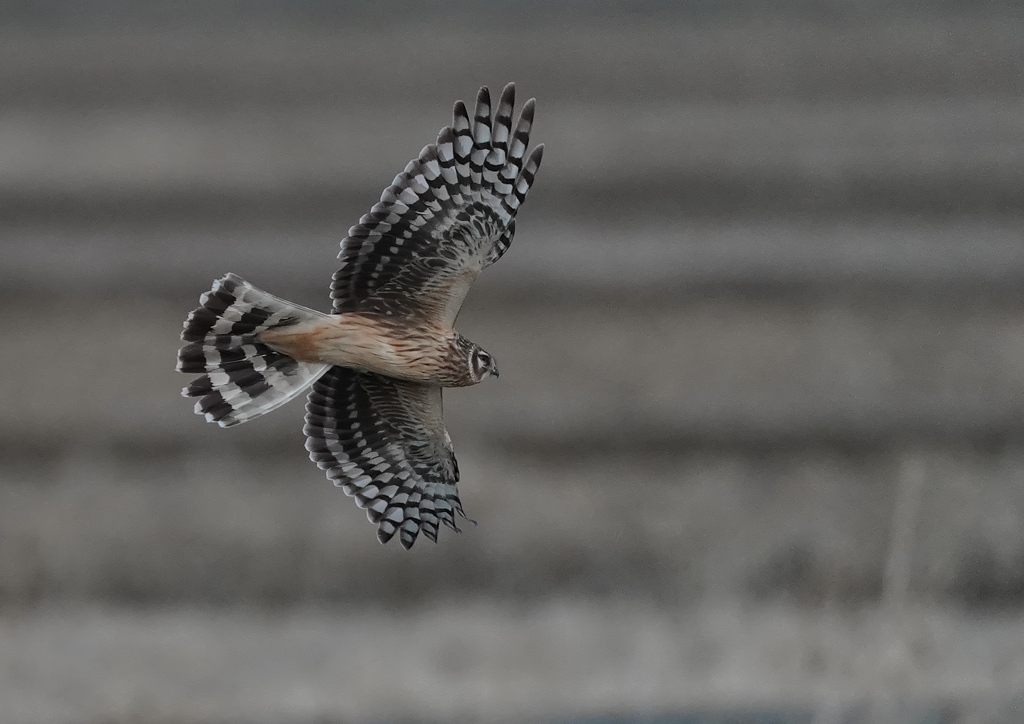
[[378, 363]]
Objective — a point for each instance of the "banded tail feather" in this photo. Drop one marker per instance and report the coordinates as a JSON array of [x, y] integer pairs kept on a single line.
[[242, 378]]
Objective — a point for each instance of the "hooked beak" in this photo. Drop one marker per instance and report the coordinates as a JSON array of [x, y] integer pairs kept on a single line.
[[494, 370]]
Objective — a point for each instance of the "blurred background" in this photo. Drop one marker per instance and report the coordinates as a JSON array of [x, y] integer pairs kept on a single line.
[[757, 450]]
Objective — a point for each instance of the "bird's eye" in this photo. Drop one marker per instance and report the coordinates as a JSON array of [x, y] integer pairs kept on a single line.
[[482, 362]]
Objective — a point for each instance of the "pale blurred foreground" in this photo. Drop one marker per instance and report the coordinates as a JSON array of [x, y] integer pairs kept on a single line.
[[757, 446]]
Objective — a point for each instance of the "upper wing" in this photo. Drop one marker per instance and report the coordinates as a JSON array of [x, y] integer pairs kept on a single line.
[[383, 442], [447, 216]]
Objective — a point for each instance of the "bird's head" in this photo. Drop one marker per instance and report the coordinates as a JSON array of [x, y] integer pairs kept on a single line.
[[482, 365], [473, 363]]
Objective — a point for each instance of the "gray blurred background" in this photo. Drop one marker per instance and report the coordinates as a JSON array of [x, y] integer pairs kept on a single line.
[[757, 449]]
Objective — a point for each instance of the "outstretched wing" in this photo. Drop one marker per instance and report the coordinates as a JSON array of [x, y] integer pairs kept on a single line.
[[447, 216], [384, 443]]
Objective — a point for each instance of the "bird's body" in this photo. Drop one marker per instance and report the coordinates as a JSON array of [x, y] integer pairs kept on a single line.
[[377, 364], [416, 352]]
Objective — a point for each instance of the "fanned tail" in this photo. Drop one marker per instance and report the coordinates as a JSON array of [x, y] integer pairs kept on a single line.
[[242, 377]]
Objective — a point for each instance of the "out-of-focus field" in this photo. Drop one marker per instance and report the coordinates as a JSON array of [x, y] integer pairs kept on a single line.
[[757, 443]]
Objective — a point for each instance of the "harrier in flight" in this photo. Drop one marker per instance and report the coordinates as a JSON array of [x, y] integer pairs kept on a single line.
[[377, 364]]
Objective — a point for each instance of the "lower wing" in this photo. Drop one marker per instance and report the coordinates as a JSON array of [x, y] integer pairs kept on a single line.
[[384, 443]]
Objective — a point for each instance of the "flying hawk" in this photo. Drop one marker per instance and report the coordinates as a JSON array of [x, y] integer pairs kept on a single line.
[[377, 364]]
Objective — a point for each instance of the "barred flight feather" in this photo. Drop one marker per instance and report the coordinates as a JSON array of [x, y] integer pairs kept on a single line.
[[449, 214], [381, 440]]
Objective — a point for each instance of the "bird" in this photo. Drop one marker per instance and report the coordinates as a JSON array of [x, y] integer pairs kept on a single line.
[[376, 365]]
